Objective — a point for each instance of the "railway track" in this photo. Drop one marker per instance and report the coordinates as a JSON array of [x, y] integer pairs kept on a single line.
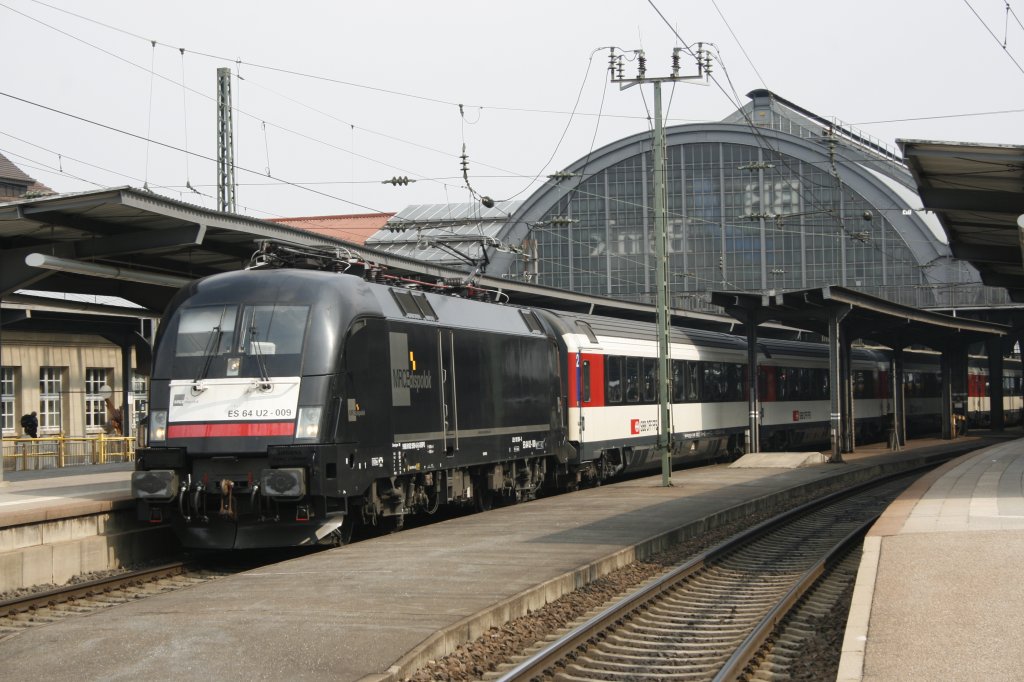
[[41, 608], [718, 616]]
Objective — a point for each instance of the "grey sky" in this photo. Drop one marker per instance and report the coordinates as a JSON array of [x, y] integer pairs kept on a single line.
[[516, 68]]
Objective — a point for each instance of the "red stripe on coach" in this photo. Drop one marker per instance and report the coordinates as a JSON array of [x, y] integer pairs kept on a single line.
[[231, 429]]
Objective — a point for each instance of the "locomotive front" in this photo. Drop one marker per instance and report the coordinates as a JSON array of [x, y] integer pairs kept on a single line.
[[243, 368]]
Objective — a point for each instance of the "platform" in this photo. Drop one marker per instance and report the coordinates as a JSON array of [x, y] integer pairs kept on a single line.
[[379, 608], [939, 593], [48, 494]]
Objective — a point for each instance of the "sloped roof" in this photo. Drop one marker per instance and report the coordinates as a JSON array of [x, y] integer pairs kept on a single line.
[[355, 228], [450, 234], [10, 174]]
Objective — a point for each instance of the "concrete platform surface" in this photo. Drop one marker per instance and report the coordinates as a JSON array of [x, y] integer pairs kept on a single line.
[[939, 593], [369, 611], [779, 460], [47, 494]]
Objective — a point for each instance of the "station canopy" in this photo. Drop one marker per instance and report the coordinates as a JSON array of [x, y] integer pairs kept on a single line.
[[870, 318], [977, 191]]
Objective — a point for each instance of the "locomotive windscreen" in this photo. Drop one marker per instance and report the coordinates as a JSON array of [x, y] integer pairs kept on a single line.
[[222, 341]]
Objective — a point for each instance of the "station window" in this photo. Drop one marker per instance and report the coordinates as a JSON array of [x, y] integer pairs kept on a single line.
[[140, 394], [95, 407], [7, 394], [51, 394]]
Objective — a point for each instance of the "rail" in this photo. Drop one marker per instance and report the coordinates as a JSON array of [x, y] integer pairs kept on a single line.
[[54, 452]]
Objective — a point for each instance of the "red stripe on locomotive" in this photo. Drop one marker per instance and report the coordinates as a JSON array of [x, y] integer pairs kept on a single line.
[[231, 430]]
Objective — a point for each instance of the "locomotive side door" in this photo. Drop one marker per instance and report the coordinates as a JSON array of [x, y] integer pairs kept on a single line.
[[449, 400]]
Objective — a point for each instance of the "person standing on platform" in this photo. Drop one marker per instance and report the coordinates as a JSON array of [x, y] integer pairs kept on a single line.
[[30, 423]]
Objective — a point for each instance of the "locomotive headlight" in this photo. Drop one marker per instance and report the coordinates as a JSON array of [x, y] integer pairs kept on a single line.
[[283, 484], [159, 485], [308, 423], [157, 426]]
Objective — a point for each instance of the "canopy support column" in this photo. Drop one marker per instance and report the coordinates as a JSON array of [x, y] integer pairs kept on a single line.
[[836, 313], [994, 348]]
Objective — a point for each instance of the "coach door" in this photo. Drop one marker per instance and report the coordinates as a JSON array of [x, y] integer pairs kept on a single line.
[[449, 400]]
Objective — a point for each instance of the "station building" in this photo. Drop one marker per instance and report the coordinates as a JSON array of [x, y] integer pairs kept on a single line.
[[774, 197]]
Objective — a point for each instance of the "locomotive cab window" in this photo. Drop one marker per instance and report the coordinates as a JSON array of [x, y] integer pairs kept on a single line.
[[272, 330], [209, 330], [254, 341]]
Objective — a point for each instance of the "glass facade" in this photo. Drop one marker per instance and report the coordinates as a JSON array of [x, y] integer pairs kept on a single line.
[[739, 217]]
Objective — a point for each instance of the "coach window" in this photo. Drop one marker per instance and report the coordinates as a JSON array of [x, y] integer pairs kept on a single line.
[[805, 383], [783, 383], [585, 381], [821, 384], [911, 384], [693, 381], [678, 381], [713, 390], [613, 390], [734, 389], [632, 380], [650, 380]]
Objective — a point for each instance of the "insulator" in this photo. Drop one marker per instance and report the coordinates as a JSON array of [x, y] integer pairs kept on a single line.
[[642, 68], [675, 62]]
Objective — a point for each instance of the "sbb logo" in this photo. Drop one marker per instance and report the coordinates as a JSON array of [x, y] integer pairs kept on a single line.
[[638, 426]]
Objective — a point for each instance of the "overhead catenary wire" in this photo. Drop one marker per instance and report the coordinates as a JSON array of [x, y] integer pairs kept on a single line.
[[994, 36], [178, 149], [739, 42]]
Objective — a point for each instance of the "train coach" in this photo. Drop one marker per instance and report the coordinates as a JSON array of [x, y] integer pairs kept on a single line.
[[979, 396], [288, 405]]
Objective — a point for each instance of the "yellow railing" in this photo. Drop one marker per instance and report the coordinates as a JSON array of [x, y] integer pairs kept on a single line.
[[48, 452]]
